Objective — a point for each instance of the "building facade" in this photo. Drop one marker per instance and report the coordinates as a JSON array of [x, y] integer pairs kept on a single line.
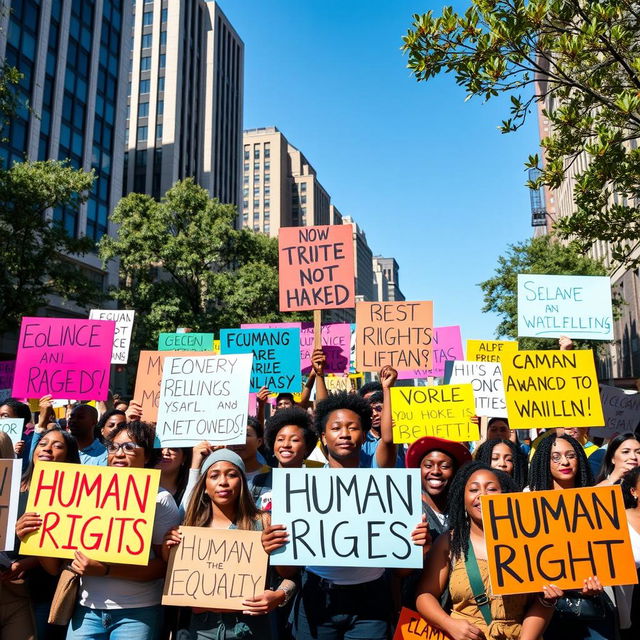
[[387, 276], [184, 112]]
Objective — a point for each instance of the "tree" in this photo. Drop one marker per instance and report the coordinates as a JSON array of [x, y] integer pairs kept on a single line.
[[36, 254], [582, 56], [537, 255], [183, 264]]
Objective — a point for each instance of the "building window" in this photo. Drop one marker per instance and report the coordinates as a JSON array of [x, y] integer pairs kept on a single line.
[[267, 149], [245, 204], [256, 203], [146, 40], [163, 17], [145, 85], [256, 227], [256, 166], [163, 38], [256, 177], [143, 110], [256, 191], [160, 107], [256, 152], [267, 227], [142, 133], [245, 179], [245, 191], [267, 190], [161, 83], [303, 186], [256, 215], [267, 166], [267, 204], [147, 18], [145, 63], [163, 60], [158, 131], [267, 215], [267, 177], [303, 199]]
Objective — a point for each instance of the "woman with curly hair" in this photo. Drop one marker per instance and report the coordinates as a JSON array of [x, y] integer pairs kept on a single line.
[[463, 553], [559, 463], [506, 456]]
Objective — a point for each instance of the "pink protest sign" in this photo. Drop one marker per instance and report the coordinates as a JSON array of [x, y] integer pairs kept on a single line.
[[336, 344], [447, 345], [64, 357], [7, 369]]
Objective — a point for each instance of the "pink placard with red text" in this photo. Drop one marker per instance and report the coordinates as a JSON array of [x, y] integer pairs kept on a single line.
[[447, 345]]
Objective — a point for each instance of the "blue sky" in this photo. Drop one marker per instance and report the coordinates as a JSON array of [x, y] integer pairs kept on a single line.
[[425, 174]]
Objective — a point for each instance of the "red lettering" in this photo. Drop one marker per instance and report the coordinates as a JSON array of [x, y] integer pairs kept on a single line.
[[73, 517], [136, 523], [46, 528]]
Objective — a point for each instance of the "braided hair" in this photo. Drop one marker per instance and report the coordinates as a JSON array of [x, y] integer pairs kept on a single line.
[[540, 478], [456, 512], [519, 475]]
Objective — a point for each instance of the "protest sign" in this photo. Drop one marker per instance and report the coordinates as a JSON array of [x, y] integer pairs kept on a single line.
[[13, 428], [489, 350], [64, 358], [443, 411], [551, 306], [276, 356], [549, 389], [7, 369], [215, 569], [316, 268], [348, 517], [621, 411], [399, 334], [336, 344], [122, 336], [148, 379], [412, 626], [203, 397], [557, 537], [105, 512], [10, 472], [447, 346], [486, 380], [185, 342], [352, 349]]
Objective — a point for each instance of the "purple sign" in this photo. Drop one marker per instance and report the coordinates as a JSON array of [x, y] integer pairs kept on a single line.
[[447, 345]]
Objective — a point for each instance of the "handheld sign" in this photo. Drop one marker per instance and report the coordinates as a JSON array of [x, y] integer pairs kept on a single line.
[[203, 398], [10, 472], [551, 306], [185, 342], [412, 626], [549, 389], [348, 517], [336, 343], [490, 350], [215, 569], [64, 358], [560, 537], [486, 380], [621, 411], [316, 268], [7, 369], [105, 512], [447, 346], [443, 411], [122, 336], [276, 356], [394, 333], [13, 427]]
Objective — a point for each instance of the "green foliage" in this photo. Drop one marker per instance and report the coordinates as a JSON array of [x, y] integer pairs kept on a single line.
[[182, 264], [582, 56], [9, 101], [537, 255], [36, 255]]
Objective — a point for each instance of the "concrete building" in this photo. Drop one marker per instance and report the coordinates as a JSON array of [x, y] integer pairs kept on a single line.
[[184, 119], [386, 275], [365, 285]]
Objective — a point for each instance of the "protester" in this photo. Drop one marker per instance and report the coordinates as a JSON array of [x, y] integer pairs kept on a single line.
[[622, 455], [107, 423], [6, 446], [12, 408], [559, 463], [284, 401], [174, 464], [369, 388], [249, 454], [581, 434], [82, 425], [503, 454], [628, 596]]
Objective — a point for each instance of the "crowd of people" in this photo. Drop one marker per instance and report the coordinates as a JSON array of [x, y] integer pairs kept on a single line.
[[231, 488]]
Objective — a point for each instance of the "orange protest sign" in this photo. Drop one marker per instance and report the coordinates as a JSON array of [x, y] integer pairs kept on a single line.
[[394, 333], [316, 267], [412, 626], [557, 537], [149, 377]]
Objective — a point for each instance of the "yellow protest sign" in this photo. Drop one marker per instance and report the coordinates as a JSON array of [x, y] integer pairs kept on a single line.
[[443, 411], [105, 512], [546, 389], [489, 350]]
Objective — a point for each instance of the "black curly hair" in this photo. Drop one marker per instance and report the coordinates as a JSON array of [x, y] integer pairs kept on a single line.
[[520, 467], [376, 396], [144, 435], [540, 478], [607, 462], [369, 387], [456, 512], [630, 481], [343, 400], [285, 417]]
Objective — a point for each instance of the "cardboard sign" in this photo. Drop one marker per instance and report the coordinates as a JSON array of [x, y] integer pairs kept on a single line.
[[621, 411], [486, 380], [546, 389], [10, 472], [316, 268], [7, 370], [13, 427], [551, 306], [185, 342], [148, 379], [203, 398], [336, 344], [348, 517], [215, 569], [443, 411], [64, 358], [122, 335], [412, 626], [105, 512], [557, 537], [447, 346], [276, 356], [489, 350], [399, 334]]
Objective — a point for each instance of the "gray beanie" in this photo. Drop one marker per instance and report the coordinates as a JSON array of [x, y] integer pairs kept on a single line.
[[222, 455]]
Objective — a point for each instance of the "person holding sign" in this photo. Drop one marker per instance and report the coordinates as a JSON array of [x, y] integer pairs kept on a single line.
[[504, 455], [221, 500], [12, 408], [622, 455], [459, 560]]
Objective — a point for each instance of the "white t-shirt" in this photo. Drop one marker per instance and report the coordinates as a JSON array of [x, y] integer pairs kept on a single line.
[[347, 575], [624, 593], [97, 592]]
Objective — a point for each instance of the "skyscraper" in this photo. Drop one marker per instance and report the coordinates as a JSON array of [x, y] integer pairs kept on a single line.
[[185, 99]]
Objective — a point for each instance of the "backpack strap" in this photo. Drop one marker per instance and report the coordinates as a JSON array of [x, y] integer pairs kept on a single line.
[[478, 589]]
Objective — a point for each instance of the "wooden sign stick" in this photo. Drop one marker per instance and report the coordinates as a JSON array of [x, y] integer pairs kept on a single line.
[[317, 329]]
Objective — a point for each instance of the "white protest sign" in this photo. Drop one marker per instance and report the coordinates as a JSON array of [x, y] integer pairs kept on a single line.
[[10, 472], [13, 428], [621, 411], [488, 389], [348, 517], [203, 398], [122, 336]]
